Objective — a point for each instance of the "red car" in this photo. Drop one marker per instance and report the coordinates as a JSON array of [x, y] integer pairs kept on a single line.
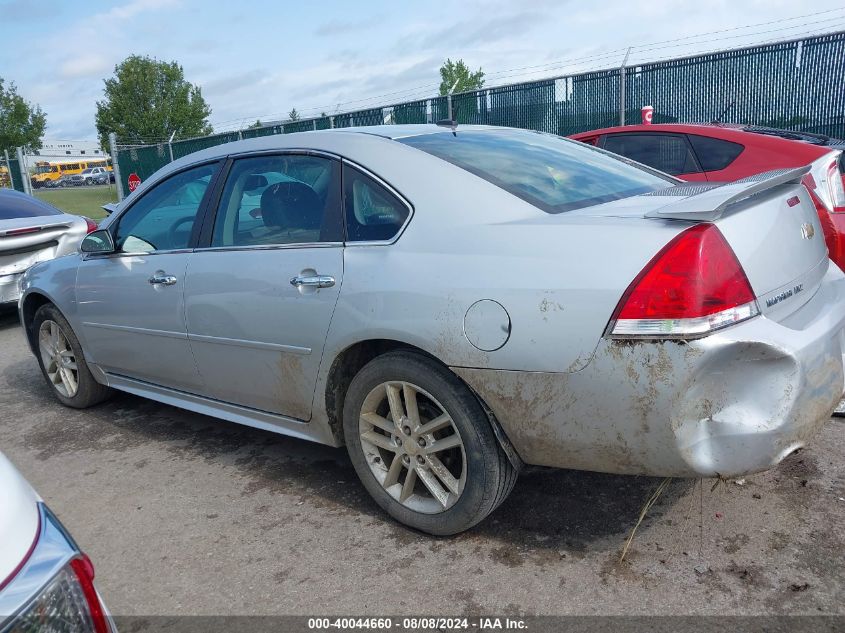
[[719, 152]]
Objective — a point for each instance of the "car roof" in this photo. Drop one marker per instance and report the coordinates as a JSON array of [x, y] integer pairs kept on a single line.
[[336, 141], [759, 135]]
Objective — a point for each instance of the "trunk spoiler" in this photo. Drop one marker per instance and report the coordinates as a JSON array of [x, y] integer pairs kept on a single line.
[[707, 204]]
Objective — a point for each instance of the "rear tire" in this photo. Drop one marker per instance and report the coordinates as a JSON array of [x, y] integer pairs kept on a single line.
[[444, 444], [62, 361]]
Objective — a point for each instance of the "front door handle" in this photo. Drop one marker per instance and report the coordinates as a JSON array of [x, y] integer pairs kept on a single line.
[[160, 278], [314, 281]]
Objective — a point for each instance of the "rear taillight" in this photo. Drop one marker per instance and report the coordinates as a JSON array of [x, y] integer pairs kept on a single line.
[[68, 602], [824, 181], [837, 191], [695, 285], [92, 226]]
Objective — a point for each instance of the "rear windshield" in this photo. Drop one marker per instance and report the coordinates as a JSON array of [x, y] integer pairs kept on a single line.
[[17, 205], [547, 171]]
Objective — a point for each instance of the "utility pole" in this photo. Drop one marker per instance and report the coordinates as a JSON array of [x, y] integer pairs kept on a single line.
[[9, 168], [115, 165], [24, 175], [170, 145], [622, 97]]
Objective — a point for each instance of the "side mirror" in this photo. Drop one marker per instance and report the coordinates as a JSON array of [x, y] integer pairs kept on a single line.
[[97, 242]]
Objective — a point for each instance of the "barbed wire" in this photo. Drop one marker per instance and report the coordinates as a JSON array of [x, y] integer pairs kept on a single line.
[[311, 112]]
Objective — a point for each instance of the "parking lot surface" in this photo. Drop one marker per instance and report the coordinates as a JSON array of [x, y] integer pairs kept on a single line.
[[185, 514]]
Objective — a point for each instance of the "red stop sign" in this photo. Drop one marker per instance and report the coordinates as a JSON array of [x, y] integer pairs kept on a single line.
[[134, 181]]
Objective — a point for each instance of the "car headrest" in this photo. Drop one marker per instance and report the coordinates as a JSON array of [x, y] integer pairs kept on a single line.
[[291, 205]]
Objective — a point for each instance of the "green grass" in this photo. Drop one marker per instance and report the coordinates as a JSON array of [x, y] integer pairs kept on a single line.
[[79, 200]]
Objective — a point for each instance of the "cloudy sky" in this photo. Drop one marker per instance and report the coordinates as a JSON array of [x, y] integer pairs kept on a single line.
[[259, 59]]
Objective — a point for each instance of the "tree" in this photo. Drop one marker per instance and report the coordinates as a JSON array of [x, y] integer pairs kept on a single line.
[[458, 74], [293, 115], [21, 123], [148, 99], [257, 123]]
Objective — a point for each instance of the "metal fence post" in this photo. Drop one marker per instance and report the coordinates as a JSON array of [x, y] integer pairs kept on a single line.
[[9, 168], [622, 88], [115, 165], [24, 176]]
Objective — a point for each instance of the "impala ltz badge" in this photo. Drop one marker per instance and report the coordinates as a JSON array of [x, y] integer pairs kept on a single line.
[[807, 231]]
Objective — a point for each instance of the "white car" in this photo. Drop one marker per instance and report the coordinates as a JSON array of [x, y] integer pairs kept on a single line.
[[46, 582], [33, 231]]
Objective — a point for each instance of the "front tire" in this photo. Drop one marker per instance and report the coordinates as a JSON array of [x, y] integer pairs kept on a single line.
[[423, 446], [62, 361]]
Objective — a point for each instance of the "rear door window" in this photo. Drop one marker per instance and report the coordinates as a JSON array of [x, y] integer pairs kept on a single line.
[[550, 172], [668, 153], [714, 153]]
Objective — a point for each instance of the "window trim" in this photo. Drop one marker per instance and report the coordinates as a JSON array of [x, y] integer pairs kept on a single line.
[[392, 190], [198, 223], [207, 231], [680, 135]]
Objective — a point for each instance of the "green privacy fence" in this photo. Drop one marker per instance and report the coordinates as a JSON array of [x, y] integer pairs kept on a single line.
[[795, 84]]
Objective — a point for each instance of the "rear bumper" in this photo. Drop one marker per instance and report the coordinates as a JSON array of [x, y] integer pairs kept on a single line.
[[733, 403], [10, 289]]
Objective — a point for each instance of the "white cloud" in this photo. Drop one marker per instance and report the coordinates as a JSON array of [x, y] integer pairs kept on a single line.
[[84, 65]]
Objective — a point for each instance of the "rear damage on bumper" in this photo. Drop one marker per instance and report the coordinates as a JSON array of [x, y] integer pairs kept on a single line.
[[732, 403]]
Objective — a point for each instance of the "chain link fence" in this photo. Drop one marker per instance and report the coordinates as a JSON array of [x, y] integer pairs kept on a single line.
[[795, 84]]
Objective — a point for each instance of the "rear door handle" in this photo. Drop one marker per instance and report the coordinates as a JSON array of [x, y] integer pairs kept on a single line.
[[162, 279], [315, 281]]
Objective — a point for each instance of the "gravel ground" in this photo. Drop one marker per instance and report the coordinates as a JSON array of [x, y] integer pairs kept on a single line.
[[185, 514]]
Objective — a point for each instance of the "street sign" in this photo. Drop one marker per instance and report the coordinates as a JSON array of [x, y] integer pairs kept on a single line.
[[134, 181]]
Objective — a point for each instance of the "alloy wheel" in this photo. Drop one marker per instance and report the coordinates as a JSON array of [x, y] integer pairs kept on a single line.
[[412, 447], [58, 359]]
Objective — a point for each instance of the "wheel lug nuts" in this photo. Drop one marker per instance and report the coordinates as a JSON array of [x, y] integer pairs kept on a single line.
[[420, 459], [421, 442], [406, 460], [406, 430]]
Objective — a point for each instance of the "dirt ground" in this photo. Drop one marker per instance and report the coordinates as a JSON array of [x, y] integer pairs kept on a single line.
[[185, 514]]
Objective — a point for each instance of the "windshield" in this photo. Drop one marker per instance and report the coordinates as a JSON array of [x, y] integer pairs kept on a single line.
[[88, 171], [552, 173], [43, 169]]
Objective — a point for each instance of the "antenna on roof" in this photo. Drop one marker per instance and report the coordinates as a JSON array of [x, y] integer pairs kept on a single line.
[[452, 120], [718, 119]]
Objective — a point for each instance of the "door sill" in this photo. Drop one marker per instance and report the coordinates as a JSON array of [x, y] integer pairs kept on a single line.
[[215, 408]]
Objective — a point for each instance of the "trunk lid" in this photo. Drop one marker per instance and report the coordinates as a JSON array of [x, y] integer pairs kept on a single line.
[[769, 220]]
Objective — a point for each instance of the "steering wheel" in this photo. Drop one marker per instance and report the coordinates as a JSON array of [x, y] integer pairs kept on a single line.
[[174, 229]]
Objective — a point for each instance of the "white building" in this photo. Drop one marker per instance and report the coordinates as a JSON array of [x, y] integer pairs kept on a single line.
[[57, 150]]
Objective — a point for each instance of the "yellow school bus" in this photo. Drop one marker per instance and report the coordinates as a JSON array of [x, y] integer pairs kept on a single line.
[[47, 174]]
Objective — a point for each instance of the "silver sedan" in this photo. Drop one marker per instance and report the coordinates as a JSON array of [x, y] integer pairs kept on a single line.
[[453, 304], [32, 231]]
